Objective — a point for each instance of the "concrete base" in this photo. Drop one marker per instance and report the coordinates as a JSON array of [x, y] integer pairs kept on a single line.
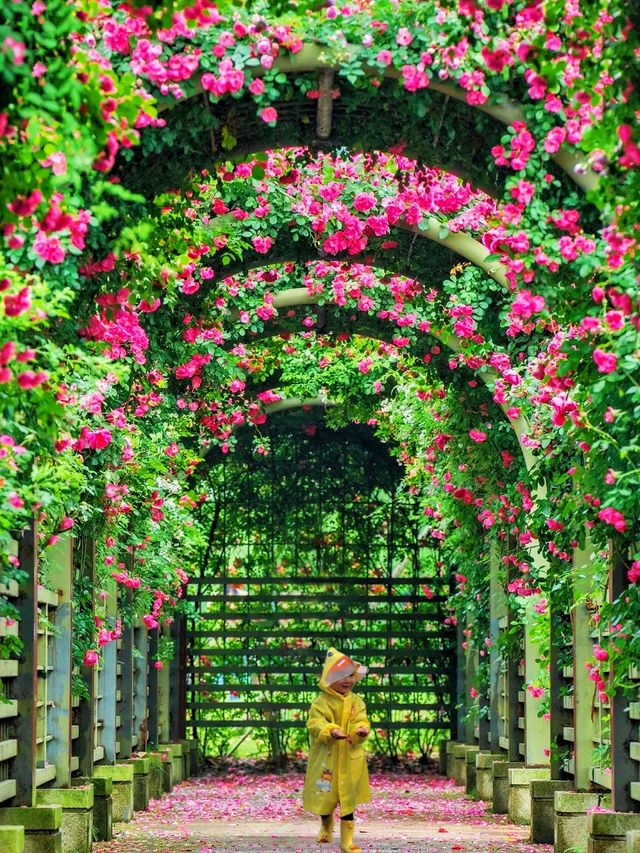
[[633, 841], [102, 806], [484, 775], [442, 758], [156, 784], [141, 783], [450, 744], [77, 815], [175, 750], [41, 827], [470, 769], [520, 779], [122, 797], [460, 763], [43, 842], [12, 839], [187, 763], [542, 813], [570, 819], [167, 770], [194, 757], [103, 812], [500, 797], [608, 831]]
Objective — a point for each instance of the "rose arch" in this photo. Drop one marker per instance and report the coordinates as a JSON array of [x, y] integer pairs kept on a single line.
[[422, 216]]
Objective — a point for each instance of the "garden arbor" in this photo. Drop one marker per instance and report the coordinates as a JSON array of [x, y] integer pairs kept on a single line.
[[430, 226]]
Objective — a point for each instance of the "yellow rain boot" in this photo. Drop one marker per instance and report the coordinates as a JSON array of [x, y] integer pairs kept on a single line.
[[325, 836], [346, 838]]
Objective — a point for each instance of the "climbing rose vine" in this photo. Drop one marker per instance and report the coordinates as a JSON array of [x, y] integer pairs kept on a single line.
[[135, 325]]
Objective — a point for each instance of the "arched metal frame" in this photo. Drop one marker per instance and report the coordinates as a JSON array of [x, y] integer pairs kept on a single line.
[[313, 58], [310, 60]]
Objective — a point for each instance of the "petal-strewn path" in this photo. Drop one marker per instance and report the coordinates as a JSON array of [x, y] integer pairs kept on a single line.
[[240, 813]]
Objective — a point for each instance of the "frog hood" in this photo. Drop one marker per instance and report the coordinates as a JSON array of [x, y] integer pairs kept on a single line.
[[338, 665]]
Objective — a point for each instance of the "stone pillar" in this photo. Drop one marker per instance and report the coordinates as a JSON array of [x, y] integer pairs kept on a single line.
[[141, 783], [156, 776], [163, 697], [633, 841], [442, 758], [167, 770], [537, 728], [484, 775], [122, 796], [608, 831], [58, 751], [449, 750], [102, 806], [186, 759], [194, 749], [520, 779], [12, 839], [460, 763], [175, 750], [542, 812], [77, 815], [470, 754], [41, 826], [500, 796], [498, 610], [570, 823], [583, 723]]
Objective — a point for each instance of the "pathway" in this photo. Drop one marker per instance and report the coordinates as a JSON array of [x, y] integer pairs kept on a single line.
[[242, 813]]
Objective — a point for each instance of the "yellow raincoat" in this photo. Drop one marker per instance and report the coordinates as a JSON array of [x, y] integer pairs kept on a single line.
[[337, 769]]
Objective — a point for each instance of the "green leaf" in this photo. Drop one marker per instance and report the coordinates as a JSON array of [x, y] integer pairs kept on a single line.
[[228, 139]]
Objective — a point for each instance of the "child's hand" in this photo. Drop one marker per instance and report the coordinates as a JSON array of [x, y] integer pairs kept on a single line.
[[338, 734], [363, 731]]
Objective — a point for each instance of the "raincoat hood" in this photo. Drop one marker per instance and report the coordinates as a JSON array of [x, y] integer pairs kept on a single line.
[[338, 665]]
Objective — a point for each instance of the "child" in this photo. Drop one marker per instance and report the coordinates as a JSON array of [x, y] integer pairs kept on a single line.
[[337, 769]]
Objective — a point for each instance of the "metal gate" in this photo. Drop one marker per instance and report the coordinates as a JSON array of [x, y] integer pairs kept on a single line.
[[312, 546]]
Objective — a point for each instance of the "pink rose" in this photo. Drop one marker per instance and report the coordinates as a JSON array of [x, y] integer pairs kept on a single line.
[[16, 304], [262, 244], [269, 115], [613, 517], [30, 379], [98, 439], [364, 202], [606, 362], [403, 36], [91, 657], [48, 248]]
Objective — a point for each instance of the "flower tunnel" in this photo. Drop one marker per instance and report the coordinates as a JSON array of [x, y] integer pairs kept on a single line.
[[320, 322]]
